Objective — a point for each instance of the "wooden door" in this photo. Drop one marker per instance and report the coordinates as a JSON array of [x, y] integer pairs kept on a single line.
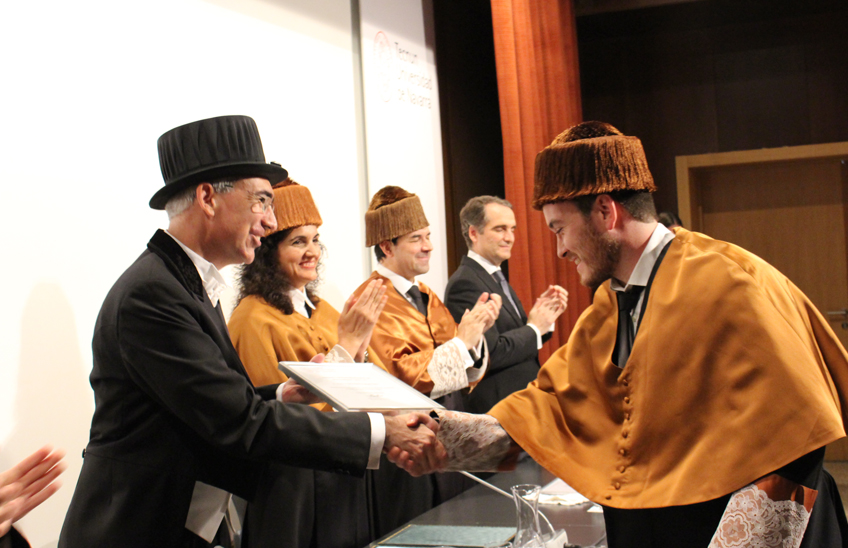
[[789, 207]]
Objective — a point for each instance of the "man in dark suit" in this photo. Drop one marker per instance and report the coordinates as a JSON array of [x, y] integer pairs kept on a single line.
[[488, 225], [177, 424]]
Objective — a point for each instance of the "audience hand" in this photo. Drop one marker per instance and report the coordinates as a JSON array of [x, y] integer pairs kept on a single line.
[[479, 319], [548, 307], [28, 484], [358, 318], [412, 445]]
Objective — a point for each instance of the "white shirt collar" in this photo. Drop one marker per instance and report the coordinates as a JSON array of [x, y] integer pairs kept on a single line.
[[642, 272], [400, 283], [483, 261], [213, 282], [300, 301]]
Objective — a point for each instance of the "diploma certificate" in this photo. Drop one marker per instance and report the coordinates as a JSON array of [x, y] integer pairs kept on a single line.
[[358, 387]]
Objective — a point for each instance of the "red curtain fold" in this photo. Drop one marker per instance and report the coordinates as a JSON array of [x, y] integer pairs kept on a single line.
[[539, 93]]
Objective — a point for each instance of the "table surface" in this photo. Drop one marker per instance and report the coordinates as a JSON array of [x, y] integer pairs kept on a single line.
[[483, 506]]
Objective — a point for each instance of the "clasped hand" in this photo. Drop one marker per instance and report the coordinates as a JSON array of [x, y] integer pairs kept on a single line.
[[412, 445]]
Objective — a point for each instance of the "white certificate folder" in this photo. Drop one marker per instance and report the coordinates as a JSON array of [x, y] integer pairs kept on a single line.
[[358, 387]]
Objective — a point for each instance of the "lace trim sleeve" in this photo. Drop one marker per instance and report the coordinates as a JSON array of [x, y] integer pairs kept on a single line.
[[475, 443], [447, 371], [753, 520]]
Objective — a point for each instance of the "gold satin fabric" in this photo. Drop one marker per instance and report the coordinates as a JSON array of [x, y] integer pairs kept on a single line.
[[264, 336], [733, 374], [404, 339]]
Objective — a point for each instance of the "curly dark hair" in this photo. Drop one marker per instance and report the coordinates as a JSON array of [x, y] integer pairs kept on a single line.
[[264, 278]]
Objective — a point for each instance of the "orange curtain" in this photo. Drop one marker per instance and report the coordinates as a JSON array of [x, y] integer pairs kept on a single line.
[[539, 91]]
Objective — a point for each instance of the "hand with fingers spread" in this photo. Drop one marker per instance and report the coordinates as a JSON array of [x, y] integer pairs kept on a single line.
[[28, 484], [479, 319], [358, 318], [548, 307], [412, 445]]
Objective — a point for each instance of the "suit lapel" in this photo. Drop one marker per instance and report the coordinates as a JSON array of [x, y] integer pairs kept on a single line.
[[177, 262], [186, 273]]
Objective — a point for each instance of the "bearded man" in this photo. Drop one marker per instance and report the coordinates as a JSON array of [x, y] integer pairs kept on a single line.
[[695, 396]]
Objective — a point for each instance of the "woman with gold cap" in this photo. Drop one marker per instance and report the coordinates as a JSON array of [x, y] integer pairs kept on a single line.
[[279, 317]]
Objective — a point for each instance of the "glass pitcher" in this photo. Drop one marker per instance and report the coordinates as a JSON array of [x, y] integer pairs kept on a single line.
[[527, 534]]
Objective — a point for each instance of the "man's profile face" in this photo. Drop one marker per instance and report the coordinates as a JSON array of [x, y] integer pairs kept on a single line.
[[593, 251], [410, 257], [494, 242], [242, 217]]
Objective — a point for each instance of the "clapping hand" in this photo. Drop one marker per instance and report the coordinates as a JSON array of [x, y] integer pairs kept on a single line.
[[548, 307], [28, 484], [479, 319], [358, 318]]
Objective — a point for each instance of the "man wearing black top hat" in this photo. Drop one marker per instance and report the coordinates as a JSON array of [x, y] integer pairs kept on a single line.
[[177, 424]]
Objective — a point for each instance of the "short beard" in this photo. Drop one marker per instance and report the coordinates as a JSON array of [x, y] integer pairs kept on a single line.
[[601, 254]]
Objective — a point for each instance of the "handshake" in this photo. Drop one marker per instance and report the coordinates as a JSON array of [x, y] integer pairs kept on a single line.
[[412, 445], [410, 439]]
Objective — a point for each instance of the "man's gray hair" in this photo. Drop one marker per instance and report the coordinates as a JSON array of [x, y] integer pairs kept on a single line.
[[180, 201], [474, 214]]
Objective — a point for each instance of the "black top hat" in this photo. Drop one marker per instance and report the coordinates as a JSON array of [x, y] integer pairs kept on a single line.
[[215, 148]]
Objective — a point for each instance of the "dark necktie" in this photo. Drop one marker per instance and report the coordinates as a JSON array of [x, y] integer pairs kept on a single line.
[[417, 300], [624, 341], [505, 288]]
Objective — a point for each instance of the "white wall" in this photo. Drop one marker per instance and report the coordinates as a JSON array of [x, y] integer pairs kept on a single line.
[[403, 129], [88, 87]]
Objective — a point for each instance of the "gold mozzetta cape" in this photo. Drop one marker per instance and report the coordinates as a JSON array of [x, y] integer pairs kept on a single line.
[[264, 336], [405, 340], [733, 374]]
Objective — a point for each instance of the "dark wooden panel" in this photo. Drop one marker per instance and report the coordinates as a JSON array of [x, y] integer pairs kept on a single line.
[[717, 75], [468, 96], [761, 98]]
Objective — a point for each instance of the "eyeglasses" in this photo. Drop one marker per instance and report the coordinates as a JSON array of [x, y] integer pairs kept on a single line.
[[261, 203]]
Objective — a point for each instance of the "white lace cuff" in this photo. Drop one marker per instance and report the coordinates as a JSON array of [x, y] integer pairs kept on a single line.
[[753, 520], [475, 443], [447, 369]]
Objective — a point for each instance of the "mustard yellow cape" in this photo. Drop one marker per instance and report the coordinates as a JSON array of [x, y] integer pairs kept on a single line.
[[263, 336], [405, 340], [733, 374]]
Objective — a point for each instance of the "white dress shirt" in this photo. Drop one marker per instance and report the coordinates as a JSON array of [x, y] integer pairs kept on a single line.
[[300, 301], [642, 272]]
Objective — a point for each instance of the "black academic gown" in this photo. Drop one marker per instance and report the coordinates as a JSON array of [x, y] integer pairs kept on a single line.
[[173, 405]]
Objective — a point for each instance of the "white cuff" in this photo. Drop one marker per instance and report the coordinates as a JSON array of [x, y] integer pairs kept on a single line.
[[378, 438], [280, 392], [476, 373], [538, 335]]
